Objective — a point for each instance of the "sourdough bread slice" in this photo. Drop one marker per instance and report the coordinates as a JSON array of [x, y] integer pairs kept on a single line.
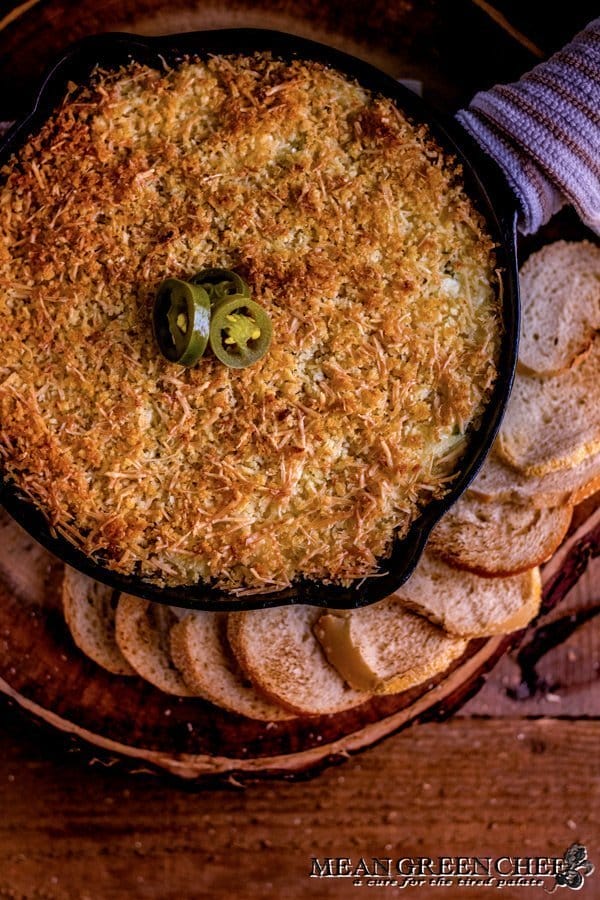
[[497, 539], [142, 630], [200, 650], [385, 648], [560, 297], [25, 566], [468, 605], [497, 482], [587, 490], [553, 423], [280, 654], [90, 609]]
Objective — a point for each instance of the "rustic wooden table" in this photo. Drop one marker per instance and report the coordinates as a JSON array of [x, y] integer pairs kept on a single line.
[[510, 774]]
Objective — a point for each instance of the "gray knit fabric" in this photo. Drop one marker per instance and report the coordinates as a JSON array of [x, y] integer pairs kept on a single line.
[[544, 132]]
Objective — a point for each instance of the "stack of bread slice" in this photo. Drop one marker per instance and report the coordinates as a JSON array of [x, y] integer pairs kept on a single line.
[[478, 577]]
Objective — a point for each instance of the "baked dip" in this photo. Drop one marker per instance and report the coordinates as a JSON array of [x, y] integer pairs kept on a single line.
[[354, 232]]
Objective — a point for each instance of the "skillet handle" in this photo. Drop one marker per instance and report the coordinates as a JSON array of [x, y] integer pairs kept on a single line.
[[544, 133]]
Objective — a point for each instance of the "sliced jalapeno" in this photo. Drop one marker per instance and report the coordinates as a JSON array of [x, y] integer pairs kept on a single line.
[[240, 331], [221, 283], [181, 321]]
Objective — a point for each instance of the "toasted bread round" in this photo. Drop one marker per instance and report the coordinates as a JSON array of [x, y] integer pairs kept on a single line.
[[553, 423], [200, 650], [25, 566], [142, 630], [497, 482], [560, 297], [280, 654], [385, 648], [90, 610], [587, 490], [497, 539], [468, 605]]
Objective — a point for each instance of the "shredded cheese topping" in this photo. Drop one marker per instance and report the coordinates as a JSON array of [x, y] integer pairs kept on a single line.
[[355, 233]]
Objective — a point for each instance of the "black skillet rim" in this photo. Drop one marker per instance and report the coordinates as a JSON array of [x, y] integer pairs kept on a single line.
[[485, 187]]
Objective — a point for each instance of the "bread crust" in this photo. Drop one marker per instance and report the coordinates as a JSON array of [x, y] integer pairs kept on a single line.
[[553, 424], [273, 681], [576, 359], [502, 547], [89, 609], [236, 695], [142, 635], [499, 483], [342, 637], [585, 491], [560, 300], [482, 616]]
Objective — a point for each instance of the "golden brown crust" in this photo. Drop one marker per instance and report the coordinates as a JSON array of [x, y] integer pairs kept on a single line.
[[89, 609], [492, 552], [585, 491], [209, 667], [355, 234], [238, 647], [573, 362], [478, 626], [142, 633], [286, 662]]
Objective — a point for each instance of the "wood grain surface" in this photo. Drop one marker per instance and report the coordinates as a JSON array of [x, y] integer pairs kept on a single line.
[[43, 670], [517, 771], [475, 787]]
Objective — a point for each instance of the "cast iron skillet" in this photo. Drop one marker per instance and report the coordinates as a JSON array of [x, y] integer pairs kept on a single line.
[[487, 190]]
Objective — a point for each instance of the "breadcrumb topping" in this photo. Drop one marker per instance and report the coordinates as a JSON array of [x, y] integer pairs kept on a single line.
[[355, 233]]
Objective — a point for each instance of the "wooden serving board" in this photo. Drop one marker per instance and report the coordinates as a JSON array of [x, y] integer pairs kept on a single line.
[[40, 668], [43, 671]]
